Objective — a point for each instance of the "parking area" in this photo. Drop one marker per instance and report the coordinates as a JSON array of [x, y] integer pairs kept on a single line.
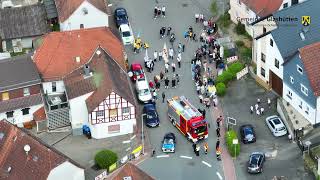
[[287, 160]]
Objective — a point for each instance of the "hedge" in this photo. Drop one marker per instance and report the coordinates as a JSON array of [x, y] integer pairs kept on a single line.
[[240, 28], [235, 67], [221, 89], [234, 149], [230, 73], [105, 158]]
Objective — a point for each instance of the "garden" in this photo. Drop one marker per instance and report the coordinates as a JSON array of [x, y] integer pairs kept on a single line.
[[234, 149]]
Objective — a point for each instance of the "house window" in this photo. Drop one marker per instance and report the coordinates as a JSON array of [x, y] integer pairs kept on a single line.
[[307, 110], [81, 26], [113, 112], [285, 5], [100, 113], [263, 72], [271, 42], [26, 92], [126, 110], [263, 57], [5, 96], [54, 86], [25, 111], [9, 114], [299, 69], [300, 105], [291, 79], [276, 63], [85, 11], [264, 30], [289, 95], [304, 90], [293, 2]]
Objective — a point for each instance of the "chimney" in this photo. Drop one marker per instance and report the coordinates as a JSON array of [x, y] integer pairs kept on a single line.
[[86, 69]]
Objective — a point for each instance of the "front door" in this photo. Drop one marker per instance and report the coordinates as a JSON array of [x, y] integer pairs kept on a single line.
[[276, 83]]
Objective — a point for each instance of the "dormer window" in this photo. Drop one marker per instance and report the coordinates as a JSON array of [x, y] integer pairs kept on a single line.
[[84, 11]]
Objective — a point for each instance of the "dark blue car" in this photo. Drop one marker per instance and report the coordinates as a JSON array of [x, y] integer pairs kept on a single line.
[[247, 134], [121, 16], [151, 115]]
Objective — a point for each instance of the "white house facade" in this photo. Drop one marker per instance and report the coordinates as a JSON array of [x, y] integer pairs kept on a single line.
[[85, 16], [113, 117]]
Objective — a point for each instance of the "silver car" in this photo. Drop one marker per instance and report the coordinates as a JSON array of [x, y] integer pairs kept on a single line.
[[276, 126]]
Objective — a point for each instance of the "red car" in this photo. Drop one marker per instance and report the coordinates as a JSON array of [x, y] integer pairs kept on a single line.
[[137, 71]]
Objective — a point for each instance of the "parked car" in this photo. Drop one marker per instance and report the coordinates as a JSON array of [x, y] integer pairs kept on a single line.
[[137, 71], [143, 90], [120, 16], [255, 163], [276, 126], [169, 143], [126, 34], [151, 115], [247, 134]]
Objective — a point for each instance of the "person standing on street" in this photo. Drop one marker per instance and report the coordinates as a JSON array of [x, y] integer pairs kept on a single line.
[[204, 113], [169, 30], [218, 144], [155, 12], [173, 65], [163, 97], [251, 109], [166, 83], [155, 95], [269, 103], [163, 10], [219, 119], [166, 65], [155, 56], [171, 53], [218, 132], [163, 31], [173, 81], [161, 76], [178, 78], [194, 146], [196, 17], [261, 110], [206, 148], [160, 55], [197, 150], [183, 46], [179, 60]]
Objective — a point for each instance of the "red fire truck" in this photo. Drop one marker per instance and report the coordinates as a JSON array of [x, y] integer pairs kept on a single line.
[[187, 118]]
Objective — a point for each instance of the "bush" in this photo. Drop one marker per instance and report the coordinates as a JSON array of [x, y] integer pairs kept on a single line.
[[240, 28], [221, 89], [234, 150], [246, 54], [105, 158], [236, 67], [225, 77], [239, 44]]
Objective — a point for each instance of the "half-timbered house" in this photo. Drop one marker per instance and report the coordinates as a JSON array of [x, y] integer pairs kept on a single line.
[[100, 97]]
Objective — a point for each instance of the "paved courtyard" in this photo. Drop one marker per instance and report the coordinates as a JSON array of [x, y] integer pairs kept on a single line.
[[288, 161]]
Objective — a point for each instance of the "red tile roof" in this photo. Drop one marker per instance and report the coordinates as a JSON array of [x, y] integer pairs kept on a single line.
[[132, 171], [263, 8], [39, 115], [36, 165], [56, 57], [65, 8], [310, 56]]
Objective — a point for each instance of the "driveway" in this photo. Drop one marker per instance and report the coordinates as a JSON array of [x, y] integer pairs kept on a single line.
[[288, 161]]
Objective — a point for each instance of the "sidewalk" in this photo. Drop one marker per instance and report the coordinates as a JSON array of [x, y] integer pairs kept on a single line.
[[227, 162]]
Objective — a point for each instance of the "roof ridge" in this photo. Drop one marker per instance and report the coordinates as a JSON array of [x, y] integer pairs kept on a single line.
[[8, 144]]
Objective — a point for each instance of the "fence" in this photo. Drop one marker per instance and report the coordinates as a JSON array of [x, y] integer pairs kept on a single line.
[[242, 73]]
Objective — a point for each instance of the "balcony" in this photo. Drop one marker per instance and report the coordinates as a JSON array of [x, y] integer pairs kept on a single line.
[[56, 101]]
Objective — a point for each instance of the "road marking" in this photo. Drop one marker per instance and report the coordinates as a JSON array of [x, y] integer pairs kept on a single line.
[[163, 156], [186, 157], [133, 137], [209, 165], [219, 175]]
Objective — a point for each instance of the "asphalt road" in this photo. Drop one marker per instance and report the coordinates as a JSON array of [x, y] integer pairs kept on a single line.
[[179, 15]]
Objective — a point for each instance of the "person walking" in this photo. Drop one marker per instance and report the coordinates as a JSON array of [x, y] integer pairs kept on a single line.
[[173, 65], [160, 55], [166, 65], [166, 83], [163, 10], [155, 56], [173, 81], [251, 109], [163, 97], [206, 148], [218, 132], [171, 53], [169, 31]]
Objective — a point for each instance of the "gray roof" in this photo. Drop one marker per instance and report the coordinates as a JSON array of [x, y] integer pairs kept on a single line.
[[18, 72], [23, 21], [20, 103], [287, 36], [50, 8]]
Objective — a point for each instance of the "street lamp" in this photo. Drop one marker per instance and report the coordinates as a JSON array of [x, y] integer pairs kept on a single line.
[[235, 142]]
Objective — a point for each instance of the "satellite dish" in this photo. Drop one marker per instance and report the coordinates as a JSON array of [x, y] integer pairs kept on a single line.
[[26, 148], [130, 73]]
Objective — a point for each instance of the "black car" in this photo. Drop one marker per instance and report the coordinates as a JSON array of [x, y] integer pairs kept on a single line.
[[255, 163], [247, 134], [151, 115], [169, 143], [121, 16]]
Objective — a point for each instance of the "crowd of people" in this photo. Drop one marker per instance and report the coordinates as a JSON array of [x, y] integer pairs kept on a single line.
[[258, 108]]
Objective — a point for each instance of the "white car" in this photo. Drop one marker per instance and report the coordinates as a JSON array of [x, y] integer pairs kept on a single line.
[[276, 126], [143, 90], [126, 34]]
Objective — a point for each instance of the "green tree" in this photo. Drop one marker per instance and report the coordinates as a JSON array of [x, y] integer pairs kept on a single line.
[[105, 158], [240, 28], [221, 89]]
